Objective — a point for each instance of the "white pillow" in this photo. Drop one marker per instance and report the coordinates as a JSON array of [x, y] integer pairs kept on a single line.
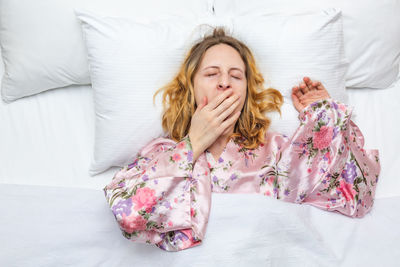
[[129, 61], [371, 33], [42, 44], [290, 45]]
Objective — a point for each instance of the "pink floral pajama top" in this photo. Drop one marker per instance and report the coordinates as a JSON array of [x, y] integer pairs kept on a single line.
[[164, 198]]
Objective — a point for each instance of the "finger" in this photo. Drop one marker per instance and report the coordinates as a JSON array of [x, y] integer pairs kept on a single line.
[[315, 85], [230, 121], [296, 102], [228, 102], [232, 124], [228, 111], [204, 103], [297, 91], [304, 88], [320, 86], [218, 100], [309, 83], [227, 129]]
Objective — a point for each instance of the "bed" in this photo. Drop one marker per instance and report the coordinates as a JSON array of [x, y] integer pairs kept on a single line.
[[53, 212]]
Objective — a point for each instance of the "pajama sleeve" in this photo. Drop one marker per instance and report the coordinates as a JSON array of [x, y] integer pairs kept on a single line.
[[151, 197], [325, 163]]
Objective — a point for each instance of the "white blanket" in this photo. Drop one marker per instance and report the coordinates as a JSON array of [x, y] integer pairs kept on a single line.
[[56, 226]]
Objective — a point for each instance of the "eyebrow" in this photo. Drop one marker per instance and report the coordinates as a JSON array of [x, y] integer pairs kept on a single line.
[[234, 68]]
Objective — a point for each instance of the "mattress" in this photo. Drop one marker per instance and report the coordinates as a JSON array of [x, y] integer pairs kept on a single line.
[[54, 213]]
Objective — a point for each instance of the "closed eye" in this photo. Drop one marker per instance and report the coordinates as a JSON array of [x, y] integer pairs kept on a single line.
[[213, 74]]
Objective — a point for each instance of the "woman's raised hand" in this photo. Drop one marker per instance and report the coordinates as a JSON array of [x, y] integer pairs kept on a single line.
[[308, 92], [212, 120]]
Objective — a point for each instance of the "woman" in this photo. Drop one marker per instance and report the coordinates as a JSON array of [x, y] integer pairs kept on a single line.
[[218, 142]]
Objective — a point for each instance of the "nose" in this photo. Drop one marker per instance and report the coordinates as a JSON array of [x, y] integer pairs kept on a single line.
[[224, 83]]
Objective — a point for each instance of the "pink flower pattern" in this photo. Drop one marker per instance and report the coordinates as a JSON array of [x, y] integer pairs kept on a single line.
[[323, 137], [176, 157], [347, 190], [144, 198], [132, 223]]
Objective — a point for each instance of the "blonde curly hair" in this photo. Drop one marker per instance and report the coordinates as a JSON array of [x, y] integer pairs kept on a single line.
[[179, 102]]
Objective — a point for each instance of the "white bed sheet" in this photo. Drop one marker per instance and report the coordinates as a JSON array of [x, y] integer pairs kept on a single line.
[[58, 226]]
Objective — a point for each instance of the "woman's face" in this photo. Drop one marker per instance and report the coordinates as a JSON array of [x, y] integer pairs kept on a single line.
[[221, 68]]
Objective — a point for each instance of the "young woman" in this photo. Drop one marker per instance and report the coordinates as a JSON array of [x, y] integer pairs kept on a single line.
[[218, 142]]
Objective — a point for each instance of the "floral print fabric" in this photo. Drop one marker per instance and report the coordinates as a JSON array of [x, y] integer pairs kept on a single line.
[[164, 198]]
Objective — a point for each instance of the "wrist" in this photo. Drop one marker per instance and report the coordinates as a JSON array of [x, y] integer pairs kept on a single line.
[[195, 147]]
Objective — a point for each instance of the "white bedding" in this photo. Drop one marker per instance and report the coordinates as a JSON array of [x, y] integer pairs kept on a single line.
[[57, 226], [53, 213]]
